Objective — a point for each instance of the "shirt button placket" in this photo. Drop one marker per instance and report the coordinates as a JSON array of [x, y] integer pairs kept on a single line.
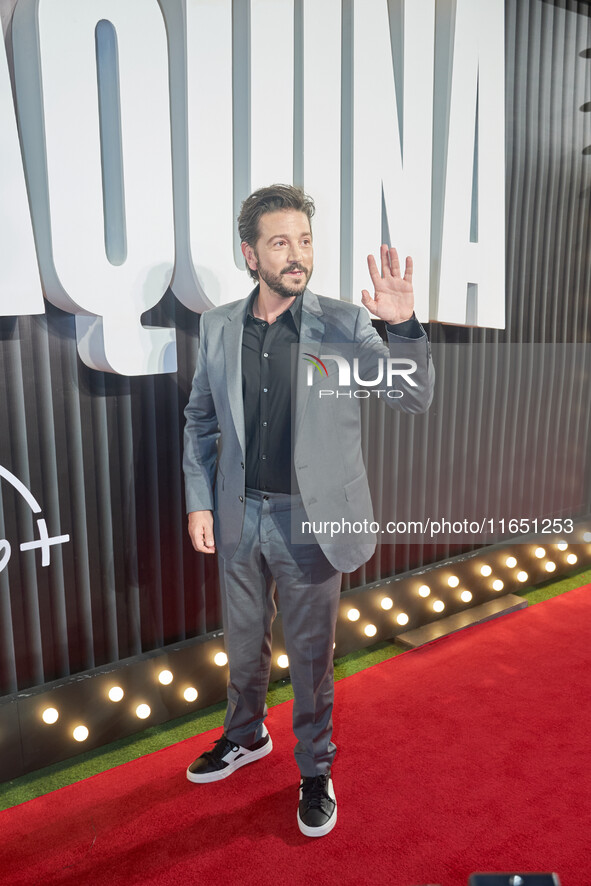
[[263, 437]]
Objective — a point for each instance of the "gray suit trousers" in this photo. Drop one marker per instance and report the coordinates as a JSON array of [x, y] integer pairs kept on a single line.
[[308, 589]]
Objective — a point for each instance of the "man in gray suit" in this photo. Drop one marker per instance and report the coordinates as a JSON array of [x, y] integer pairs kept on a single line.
[[262, 465]]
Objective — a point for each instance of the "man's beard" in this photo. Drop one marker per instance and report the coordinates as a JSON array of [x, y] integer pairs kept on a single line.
[[276, 283]]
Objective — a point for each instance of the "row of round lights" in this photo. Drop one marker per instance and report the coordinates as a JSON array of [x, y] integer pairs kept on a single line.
[[370, 630], [466, 596], [221, 659], [50, 715]]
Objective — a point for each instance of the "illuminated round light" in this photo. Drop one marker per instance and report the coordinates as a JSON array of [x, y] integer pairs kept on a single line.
[[370, 630], [424, 591], [283, 661], [453, 581], [587, 536], [572, 558], [540, 552], [550, 566], [220, 659], [522, 576], [465, 596], [511, 562], [143, 711], [116, 693], [80, 733], [438, 606], [386, 603], [353, 614], [50, 716], [562, 546], [165, 677], [190, 694], [498, 585], [485, 570], [402, 618]]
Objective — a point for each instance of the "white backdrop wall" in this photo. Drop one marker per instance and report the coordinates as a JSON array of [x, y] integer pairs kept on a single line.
[[390, 113]]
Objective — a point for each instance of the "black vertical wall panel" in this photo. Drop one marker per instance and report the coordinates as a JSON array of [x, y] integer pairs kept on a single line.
[[102, 454]]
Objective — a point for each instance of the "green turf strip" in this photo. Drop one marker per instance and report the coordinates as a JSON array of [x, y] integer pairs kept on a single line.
[[154, 738]]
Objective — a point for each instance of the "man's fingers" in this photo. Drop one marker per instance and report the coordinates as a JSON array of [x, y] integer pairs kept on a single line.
[[390, 266], [394, 262], [205, 539], [373, 270], [204, 545], [368, 302], [201, 531], [385, 256], [208, 540], [408, 269]]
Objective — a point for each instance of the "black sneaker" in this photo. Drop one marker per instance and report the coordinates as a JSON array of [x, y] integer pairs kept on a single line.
[[317, 812], [226, 758]]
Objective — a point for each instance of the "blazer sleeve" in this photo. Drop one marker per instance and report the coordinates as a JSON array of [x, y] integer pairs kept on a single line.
[[201, 434], [415, 376]]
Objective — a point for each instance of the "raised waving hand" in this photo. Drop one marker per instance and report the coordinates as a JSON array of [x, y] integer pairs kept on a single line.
[[393, 299]]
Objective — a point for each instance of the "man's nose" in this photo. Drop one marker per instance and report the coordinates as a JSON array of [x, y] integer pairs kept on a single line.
[[295, 252]]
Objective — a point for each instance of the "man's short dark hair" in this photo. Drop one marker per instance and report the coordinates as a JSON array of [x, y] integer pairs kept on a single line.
[[270, 199]]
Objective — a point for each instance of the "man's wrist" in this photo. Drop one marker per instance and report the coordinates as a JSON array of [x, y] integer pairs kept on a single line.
[[410, 328], [396, 320], [399, 321]]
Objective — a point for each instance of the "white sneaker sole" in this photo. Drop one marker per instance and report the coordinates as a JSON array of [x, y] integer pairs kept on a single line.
[[325, 828], [249, 757]]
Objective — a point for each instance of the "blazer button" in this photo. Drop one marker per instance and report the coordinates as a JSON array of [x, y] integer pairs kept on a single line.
[[242, 465], [241, 498]]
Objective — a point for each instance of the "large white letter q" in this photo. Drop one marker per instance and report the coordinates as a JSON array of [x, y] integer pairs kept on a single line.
[[92, 93]]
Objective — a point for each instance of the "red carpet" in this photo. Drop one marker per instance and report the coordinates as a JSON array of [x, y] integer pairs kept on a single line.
[[472, 753]]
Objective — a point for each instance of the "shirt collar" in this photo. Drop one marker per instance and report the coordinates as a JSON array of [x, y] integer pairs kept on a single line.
[[295, 309]]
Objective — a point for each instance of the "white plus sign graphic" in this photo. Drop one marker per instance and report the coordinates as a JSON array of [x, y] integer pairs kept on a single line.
[[44, 542]]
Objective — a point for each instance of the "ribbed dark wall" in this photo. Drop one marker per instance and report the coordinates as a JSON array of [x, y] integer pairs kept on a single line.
[[102, 453], [524, 410]]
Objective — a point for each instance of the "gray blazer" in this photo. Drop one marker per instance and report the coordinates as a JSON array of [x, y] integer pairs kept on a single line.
[[327, 436]]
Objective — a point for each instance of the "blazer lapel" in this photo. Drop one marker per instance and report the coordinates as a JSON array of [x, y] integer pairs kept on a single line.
[[232, 336], [312, 331]]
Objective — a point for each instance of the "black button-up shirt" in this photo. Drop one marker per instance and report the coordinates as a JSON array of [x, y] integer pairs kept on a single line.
[[267, 358], [268, 367]]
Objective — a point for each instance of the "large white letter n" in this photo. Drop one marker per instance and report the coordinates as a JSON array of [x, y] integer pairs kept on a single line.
[[472, 281]]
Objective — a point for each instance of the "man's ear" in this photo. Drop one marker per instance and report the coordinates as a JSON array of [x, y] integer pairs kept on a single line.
[[249, 255]]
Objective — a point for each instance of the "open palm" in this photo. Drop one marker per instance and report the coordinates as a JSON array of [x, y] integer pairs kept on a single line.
[[393, 299]]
